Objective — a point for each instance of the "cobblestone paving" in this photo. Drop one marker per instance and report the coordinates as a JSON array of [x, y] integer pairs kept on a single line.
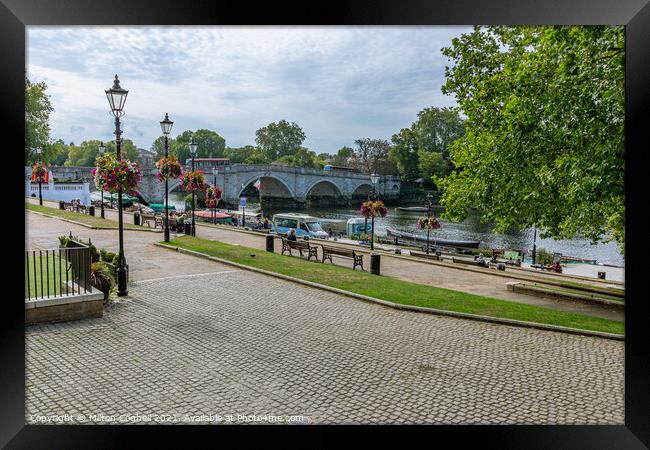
[[240, 343]]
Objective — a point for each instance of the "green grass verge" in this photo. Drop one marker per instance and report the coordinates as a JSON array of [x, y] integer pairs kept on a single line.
[[78, 217], [562, 290], [52, 282], [393, 289]]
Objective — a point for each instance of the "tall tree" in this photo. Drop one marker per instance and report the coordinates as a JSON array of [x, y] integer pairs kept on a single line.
[[545, 129], [405, 154], [437, 128], [84, 154], [238, 155], [372, 155], [37, 120], [279, 139], [210, 145], [344, 156]]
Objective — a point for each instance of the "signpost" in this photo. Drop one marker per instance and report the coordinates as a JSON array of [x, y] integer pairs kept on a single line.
[[242, 205]]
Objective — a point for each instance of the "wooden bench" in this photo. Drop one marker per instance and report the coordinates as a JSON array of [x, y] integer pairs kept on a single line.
[[287, 245], [149, 218], [357, 259]]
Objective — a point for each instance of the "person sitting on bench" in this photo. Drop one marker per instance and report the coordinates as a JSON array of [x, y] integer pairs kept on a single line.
[[292, 235]]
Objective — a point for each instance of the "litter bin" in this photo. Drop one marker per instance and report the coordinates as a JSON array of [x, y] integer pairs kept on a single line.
[[375, 260], [136, 218], [187, 227], [270, 239], [501, 266], [601, 275], [61, 204], [91, 210]]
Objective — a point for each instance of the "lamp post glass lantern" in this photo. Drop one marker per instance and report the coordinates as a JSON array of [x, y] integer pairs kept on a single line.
[[166, 126], [102, 149], [39, 150], [193, 146], [374, 178], [116, 96]]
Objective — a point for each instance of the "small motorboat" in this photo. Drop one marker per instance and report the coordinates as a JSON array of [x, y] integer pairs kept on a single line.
[[392, 233], [415, 209]]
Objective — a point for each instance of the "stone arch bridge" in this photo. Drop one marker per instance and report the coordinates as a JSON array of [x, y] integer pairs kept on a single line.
[[277, 182]]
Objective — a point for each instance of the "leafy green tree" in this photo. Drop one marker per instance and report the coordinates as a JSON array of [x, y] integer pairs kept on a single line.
[[404, 153], [544, 142], [279, 139], [432, 164], [239, 155], [344, 156], [210, 145], [372, 155], [257, 156], [57, 152], [437, 128], [37, 121], [158, 146]]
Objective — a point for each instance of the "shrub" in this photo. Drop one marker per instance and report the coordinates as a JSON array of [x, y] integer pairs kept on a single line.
[[115, 259], [544, 257], [94, 254], [101, 279], [64, 240], [106, 256]]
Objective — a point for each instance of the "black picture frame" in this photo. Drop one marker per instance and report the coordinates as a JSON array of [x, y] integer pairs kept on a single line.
[[15, 15]]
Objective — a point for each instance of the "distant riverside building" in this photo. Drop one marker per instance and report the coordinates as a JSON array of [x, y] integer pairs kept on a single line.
[[148, 157]]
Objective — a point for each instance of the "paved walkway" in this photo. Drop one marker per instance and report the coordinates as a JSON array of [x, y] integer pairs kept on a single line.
[[238, 343]]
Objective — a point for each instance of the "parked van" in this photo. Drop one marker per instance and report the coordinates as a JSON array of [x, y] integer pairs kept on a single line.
[[303, 224]]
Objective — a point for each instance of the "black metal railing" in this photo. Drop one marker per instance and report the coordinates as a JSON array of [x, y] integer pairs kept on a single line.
[[57, 273]]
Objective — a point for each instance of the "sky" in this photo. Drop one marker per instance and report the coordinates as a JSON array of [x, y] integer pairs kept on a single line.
[[338, 83]]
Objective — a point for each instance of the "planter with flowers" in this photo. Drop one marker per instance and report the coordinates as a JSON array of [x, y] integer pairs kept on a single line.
[[168, 168], [428, 223], [372, 209], [111, 174], [212, 196], [193, 181], [39, 171]]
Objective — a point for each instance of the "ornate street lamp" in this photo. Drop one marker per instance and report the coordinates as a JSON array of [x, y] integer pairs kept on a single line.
[[374, 178], [102, 149], [166, 126], [39, 150], [116, 96], [429, 202], [193, 146]]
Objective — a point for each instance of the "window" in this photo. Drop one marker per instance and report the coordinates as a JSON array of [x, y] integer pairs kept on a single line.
[[288, 223], [303, 227], [314, 226]]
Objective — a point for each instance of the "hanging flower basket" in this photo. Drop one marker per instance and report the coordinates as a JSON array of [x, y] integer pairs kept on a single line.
[[430, 223], [39, 171], [168, 168], [212, 196], [371, 209], [193, 181], [111, 174]]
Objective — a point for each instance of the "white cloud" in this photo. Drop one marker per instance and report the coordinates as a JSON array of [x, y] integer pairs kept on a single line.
[[338, 83]]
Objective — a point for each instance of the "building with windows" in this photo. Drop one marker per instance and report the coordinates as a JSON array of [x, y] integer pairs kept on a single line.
[[147, 156]]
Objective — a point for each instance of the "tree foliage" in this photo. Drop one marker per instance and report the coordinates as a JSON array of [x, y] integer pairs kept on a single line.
[[279, 139], [84, 154], [372, 155], [37, 121], [209, 145], [545, 126], [433, 132]]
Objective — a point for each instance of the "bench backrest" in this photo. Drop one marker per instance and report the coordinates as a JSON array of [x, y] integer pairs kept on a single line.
[[301, 244], [338, 250]]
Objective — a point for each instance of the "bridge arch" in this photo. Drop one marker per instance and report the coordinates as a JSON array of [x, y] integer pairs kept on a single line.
[[324, 188], [276, 183], [361, 190]]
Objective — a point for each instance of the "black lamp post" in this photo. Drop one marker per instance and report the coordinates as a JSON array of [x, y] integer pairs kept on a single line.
[[429, 197], [102, 149], [193, 145], [214, 183], [374, 178], [534, 244], [166, 126], [40, 178], [116, 99]]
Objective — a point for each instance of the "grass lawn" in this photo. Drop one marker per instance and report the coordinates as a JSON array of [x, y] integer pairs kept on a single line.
[[82, 218], [38, 286], [393, 289]]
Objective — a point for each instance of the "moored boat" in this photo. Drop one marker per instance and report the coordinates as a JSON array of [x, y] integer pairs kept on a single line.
[[432, 240], [417, 209]]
